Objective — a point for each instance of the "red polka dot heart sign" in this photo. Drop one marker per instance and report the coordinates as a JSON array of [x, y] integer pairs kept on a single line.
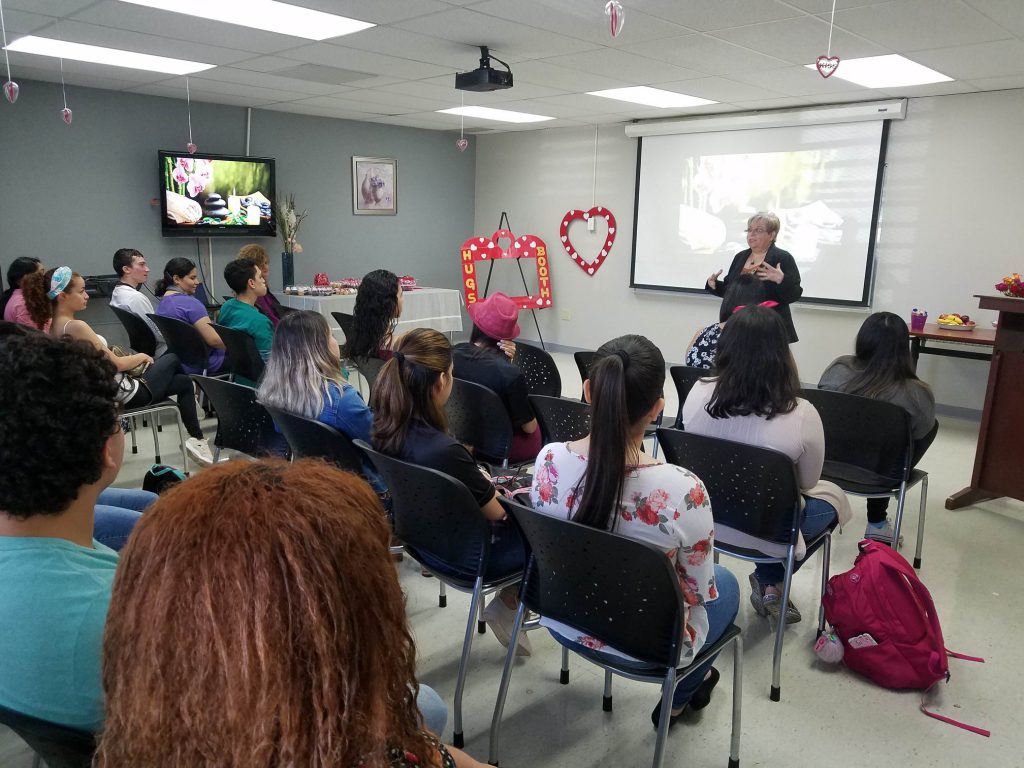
[[481, 248], [597, 212]]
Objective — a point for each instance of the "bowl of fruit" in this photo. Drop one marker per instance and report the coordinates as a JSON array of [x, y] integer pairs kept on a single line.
[[956, 322]]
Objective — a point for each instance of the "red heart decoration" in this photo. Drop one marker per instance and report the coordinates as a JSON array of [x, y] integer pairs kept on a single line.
[[461, 144], [827, 65], [65, 115], [526, 247], [590, 267], [11, 90], [191, 148]]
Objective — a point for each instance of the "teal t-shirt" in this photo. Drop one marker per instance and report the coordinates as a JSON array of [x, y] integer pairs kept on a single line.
[[243, 317], [54, 597]]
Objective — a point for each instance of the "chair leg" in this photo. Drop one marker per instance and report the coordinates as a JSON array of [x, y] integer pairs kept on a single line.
[[442, 598], [606, 702], [156, 437], [563, 675], [37, 761], [826, 557], [920, 522], [135, 445], [181, 442], [156, 418], [737, 701], [467, 644], [776, 692], [654, 448], [667, 689], [901, 501], [481, 625], [506, 675]]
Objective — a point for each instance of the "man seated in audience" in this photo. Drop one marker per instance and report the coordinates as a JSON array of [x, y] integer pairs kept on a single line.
[[240, 313], [131, 268], [60, 446]]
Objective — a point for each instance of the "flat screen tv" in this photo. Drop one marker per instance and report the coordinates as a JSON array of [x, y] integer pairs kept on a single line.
[[205, 195]]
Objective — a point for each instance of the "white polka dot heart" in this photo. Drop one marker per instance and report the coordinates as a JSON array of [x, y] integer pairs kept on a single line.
[[598, 213]]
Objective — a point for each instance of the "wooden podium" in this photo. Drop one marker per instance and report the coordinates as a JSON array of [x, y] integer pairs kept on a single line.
[[999, 459]]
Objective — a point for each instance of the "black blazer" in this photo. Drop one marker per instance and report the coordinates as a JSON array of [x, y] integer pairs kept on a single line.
[[785, 293]]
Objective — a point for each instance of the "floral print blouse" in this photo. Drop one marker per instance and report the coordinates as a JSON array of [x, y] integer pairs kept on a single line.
[[705, 347], [663, 505]]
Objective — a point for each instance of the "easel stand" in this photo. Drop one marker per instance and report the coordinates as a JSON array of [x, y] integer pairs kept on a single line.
[[504, 224]]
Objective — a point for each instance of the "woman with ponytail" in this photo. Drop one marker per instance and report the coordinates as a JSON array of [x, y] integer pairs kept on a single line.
[[605, 481], [176, 290], [409, 423], [12, 303]]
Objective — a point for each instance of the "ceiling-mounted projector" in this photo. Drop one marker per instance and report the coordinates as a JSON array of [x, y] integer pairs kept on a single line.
[[484, 78]]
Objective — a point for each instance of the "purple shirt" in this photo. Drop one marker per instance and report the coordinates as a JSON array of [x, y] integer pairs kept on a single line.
[[189, 309], [265, 304]]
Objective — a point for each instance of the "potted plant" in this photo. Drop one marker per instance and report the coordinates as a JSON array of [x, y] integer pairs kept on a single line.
[[288, 223]]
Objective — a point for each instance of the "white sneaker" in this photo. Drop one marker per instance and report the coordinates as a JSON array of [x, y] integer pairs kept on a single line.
[[198, 450], [500, 618], [882, 535]]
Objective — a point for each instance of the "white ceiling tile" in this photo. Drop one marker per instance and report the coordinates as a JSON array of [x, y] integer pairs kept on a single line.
[[622, 65], [707, 55], [248, 98], [410, 45], [1006, 82], [800, 41], [364, 61], [351, 105], [376, 11], [798, 81], [508, 40], [1009, 14], [267, 63], [297, 108], [22, 23], [761, 104], [825, 6], [581, 19], [397, 103], [715, 14], [564, 78], [973, 62], [932, 89], [430, 120], [911, 25], [586, 104], [81, 74], [58, 8], [263, 79]]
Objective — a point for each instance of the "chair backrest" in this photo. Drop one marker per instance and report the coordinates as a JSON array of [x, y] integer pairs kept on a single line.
[[345, 321], [140, 335], [684, 377], [58, 745], [310, 438], [433, 512], [618, 590], [369, 367], [539, 370], [561, 419], [243, 424], [862, 434], [477, 417], [583, 362], [184, 340], [243, 359], [753, 490]]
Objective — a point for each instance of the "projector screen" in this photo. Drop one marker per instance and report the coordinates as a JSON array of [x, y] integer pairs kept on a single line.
[[695, 192]]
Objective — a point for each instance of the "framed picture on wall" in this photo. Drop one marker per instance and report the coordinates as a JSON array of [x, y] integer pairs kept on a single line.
[[374, 186]]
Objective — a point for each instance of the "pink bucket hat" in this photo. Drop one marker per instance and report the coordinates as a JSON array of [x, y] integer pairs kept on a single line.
[[497, 316]]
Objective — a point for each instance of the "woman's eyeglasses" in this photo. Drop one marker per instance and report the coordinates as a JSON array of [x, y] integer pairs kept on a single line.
[[758, 231]]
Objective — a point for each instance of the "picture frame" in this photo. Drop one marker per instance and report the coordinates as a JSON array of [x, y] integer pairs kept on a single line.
[[374, 186]]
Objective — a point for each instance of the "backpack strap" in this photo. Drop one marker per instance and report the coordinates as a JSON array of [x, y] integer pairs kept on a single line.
[[951, 721]]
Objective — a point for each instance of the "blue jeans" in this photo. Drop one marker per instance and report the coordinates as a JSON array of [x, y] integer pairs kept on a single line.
[[115, 514], [433, 710], [818, 515], [721, 613]]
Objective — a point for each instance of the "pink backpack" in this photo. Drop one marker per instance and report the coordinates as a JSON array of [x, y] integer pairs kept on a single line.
[[887, 622]]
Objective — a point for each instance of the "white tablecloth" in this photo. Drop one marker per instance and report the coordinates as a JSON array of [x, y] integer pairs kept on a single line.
[[439, 308]]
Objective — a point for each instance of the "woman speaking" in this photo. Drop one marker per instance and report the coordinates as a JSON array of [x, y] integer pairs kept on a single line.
[[768, 263]]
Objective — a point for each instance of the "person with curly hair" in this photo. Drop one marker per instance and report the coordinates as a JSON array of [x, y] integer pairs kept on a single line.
[[56, 577], [378, 307], [12, 303], [59, 294], [268, 303], [276, 657]]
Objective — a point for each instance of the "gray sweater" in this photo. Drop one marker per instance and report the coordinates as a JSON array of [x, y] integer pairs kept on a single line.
[[915, 397]]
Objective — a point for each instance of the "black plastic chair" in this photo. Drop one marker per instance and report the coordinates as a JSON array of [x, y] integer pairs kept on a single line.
[[583, 362], [243, 424], [561, 419], [868, 451], [368, 368], [754, 495], [58, 745], [345, 321], [684, 377], [539, 370], [185, 341], [309, 438], [436, 514], [243, 359], [140, 335], [477, 417], [624, 593]]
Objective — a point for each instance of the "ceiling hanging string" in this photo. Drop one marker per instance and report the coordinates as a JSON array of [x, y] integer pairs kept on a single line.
[[191, 147], [831, 24], [65, 114], [594, 191], [10, 87]]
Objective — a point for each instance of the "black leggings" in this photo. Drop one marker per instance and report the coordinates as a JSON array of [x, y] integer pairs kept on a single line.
[[164, 378], [878, 507]]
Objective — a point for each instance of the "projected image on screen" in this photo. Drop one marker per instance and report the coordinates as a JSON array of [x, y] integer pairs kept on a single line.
[[696, 192]]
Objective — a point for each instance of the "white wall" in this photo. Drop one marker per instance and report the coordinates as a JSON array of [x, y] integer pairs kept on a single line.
[[949, 206]]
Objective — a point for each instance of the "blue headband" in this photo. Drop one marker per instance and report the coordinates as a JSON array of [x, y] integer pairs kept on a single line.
[[59, 281]]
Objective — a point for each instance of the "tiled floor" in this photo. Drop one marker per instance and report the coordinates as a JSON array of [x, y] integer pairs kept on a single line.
[[827, 716]]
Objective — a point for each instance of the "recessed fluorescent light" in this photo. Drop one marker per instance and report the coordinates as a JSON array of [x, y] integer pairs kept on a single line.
[[652, 97], [43, 46], [504, 115], [891, 71], [268, 15]]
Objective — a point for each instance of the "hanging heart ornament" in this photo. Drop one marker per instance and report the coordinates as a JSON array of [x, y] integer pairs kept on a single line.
[[461, 144], [616, 17], [11, 91], [191, 148], [597, 212], [827, 65], [65, 115]]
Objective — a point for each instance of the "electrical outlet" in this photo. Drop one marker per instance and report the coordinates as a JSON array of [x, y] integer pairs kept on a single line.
[[565, 314], [591, 224]]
